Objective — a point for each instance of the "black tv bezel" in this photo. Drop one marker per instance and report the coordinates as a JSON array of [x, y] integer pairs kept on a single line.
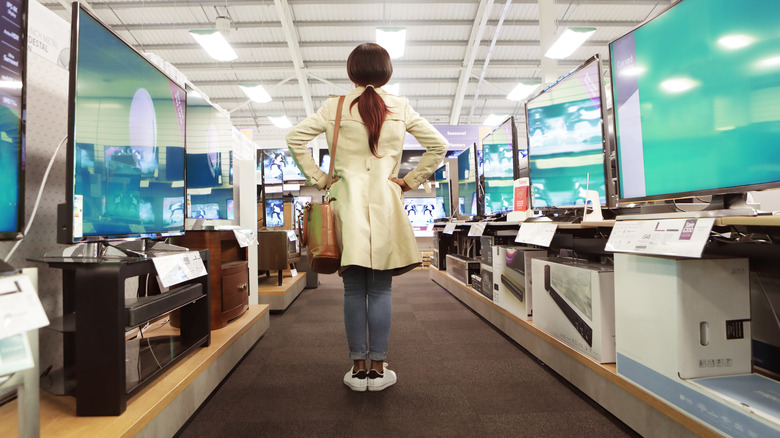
[[22, 143], [677, 195], [446, 166], [71, 143], [609, 186], [515, 162]]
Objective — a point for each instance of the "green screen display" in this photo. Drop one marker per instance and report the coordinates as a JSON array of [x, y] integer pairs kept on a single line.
[[697, 100]]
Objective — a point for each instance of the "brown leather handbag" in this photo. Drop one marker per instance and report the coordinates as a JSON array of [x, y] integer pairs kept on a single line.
[[319, 230]]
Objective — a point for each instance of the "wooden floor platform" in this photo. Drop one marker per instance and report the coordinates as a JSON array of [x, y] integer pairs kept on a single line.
[[640, 410], [280, 297], [160, 409]]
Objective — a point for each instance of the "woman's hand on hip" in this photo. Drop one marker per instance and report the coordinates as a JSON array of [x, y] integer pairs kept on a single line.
[[404, 187]]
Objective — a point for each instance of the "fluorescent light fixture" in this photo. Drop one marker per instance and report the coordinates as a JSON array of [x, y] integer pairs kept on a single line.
[[734, 42], [495, 119], [215, 44], [569, 41], [393, 39], [280, 121], [256, 92], [394, 89], [521, 91], [678, 85]]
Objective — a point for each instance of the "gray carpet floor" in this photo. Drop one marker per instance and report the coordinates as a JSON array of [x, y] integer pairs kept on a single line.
[[457, 377]]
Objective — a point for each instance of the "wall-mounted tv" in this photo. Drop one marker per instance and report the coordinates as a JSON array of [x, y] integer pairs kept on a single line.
[[126, 123], [567, 142], [12, 118], [499, 167], [695, 93]]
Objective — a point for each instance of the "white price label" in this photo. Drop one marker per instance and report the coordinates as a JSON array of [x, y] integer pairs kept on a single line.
[[670, 237], [536, 233], [178, 268], [20, 308], [294, 272], [291, 236], [449, 228], [477, 229]]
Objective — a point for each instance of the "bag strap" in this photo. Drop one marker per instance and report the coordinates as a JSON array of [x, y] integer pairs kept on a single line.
[[335, 142]]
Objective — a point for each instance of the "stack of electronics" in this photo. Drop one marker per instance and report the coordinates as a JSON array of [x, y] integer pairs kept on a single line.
[[512, 279], [462, 267], [443, 244], [485, 283]]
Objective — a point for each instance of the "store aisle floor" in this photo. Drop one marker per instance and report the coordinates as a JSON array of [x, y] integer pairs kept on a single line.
[[457, 377]]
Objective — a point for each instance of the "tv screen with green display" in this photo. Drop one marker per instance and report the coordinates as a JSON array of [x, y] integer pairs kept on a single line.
[[499, 167], [696, 94], [566, 141], [443, 198], [467, 182]]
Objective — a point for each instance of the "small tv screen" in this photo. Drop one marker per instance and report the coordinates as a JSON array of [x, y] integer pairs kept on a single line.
[[695, 93], [12, 116], [274, 213], [499, 158], [291, 171], [230, 213], [566, 140], [421, 211], [274, 162], [442, 182], [204, 211], [126, 124], [324, 161], [467, 183], [300, 204]]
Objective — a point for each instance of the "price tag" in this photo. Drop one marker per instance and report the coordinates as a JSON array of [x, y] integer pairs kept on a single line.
[[20, 308], [670, 237], [477, 229], [294, 272], [291, 236], [178, 268], [15, 354], [449, 228], [245, 238], [536, 233]]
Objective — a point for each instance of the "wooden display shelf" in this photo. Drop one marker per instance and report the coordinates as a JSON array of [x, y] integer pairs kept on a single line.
[[279, 297], [162, 407], [640, 410]]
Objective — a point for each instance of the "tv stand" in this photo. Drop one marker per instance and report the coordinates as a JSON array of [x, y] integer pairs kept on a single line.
[[727, 205]]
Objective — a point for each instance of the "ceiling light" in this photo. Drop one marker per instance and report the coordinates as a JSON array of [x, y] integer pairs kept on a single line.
[[521, 91], [769, 62], [495, 119], [678, 85], [394, 89], [215, 44], [733, 42], [569, 41], [256, 92], [393, 39], [280, 121]]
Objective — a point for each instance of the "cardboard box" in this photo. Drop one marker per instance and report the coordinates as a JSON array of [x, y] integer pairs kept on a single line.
[[765, 321], [461, 267], [486, 272], [476, 282], [575, 303], [682, 318], [512, 278]]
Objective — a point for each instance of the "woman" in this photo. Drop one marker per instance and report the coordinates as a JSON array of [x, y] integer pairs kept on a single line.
[[375, 235]]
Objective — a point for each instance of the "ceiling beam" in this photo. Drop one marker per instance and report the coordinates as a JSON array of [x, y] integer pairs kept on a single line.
[[489, 54], [283, 9], [477, 30]]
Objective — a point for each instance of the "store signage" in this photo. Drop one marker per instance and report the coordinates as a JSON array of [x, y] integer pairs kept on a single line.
[[536, 233], [178, 268], [459, 136], [669, 237]]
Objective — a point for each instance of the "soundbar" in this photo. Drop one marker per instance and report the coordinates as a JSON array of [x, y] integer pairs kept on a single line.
[[144, 309], [582, 327], [513, 287]]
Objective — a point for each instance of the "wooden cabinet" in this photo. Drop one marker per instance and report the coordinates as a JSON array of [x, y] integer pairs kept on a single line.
[[276, 252], [229, 273]]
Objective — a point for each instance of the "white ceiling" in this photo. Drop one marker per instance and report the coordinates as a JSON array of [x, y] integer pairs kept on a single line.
[[298, 49]]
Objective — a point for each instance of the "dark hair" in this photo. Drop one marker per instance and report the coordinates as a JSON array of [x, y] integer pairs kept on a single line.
[[369, 64]]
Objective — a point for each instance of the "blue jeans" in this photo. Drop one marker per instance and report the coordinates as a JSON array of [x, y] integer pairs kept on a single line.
[[367, 305]]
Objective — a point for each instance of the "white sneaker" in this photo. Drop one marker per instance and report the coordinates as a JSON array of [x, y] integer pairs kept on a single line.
[[357, 381], [378, 381]]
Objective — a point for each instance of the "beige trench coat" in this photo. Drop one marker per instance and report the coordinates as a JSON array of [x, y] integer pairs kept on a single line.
[[371, 224]]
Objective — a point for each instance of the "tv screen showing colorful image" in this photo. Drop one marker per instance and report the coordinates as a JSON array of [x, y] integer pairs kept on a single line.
[[274, 163], [442, 182], [173, 212], [204, 211], [421, 211], [230, 214], [274, 213], [291, 171], [467, 183], [499, 155]]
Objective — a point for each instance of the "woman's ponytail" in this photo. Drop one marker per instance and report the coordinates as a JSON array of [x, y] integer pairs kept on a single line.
[[369, 65]]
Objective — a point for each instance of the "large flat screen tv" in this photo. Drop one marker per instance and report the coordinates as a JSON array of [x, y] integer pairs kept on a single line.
[[12, 118], [696, 94], [499, 167], [567, 147], [209, 157], [467, 182], [273, 162], [126, 122]]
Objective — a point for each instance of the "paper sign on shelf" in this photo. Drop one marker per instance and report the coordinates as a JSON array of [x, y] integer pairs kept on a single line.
[[477, 229], [178, 268], [245, 237], [294, 272], [449, 228], [20, 308], [670, 237], [291, 236], [536, 233]]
